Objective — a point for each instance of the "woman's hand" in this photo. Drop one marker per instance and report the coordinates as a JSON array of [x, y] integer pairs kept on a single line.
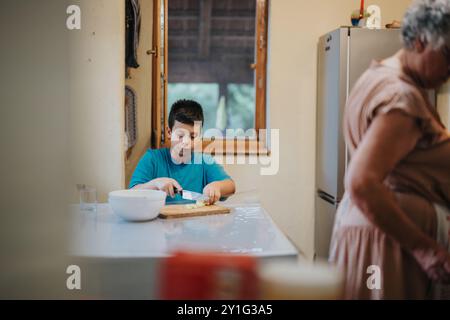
[[213, 192], [167, 185], [435, 261]]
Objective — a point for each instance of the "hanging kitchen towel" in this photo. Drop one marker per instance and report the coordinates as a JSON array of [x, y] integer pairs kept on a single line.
[[133, 26], [130, 118]]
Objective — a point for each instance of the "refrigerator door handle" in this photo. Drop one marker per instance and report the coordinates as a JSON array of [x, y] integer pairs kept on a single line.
[[326, 197]]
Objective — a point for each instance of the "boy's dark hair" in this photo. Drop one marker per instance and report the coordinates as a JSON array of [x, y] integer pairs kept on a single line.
[[185, 111]]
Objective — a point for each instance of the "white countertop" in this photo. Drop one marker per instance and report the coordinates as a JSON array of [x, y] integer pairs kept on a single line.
[[248, 229]]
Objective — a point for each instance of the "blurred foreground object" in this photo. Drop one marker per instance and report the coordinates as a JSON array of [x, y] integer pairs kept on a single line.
[[203, 276], [34, 141], [304, 281]]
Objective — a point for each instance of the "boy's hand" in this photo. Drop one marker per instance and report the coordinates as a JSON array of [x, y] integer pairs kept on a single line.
[[166, 184], [212, 191]]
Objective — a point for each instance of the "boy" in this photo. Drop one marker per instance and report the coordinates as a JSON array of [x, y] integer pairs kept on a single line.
[[174, 168]]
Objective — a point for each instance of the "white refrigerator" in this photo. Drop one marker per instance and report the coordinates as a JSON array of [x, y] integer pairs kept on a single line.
[[343, 55]]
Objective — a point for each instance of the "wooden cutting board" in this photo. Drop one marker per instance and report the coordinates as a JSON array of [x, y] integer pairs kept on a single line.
[[180, 211]]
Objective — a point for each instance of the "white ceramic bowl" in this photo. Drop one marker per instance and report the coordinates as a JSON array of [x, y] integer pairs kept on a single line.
[[137, 205]]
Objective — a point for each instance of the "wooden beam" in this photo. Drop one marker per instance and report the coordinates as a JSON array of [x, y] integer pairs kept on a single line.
[[159, 97], [262, 12], [204, 28], [165, 138], [156, 78], [218, 38], [237, 71]]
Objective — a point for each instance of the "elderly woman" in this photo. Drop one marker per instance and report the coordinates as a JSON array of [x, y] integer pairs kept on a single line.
[[391, 229]]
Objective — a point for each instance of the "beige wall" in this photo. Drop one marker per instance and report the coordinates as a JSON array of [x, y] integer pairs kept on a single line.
[[97, 82], [295, 26]]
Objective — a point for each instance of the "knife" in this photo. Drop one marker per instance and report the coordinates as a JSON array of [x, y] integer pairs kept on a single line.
[[191, 195]]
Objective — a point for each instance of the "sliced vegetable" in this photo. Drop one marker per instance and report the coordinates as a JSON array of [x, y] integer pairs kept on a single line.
[[196, 205]]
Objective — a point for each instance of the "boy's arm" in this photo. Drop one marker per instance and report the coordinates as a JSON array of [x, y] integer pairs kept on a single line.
[[148, 186], [218, 183], [164, 184]]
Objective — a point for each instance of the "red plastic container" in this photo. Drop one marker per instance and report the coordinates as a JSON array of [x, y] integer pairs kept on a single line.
[[204, 276]]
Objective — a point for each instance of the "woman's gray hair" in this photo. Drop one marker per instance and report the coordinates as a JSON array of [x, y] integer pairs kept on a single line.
[[427, 21]]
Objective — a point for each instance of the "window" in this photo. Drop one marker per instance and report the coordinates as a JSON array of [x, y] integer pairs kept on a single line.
[[214, 52]]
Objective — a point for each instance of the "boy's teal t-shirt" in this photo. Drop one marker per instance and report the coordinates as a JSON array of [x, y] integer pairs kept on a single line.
[[157, 163]]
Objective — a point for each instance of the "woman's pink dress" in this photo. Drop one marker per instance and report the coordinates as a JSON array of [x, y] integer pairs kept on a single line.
[[419, 182]]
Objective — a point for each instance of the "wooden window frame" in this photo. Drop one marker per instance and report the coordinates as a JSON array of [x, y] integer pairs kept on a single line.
[[241, 146]]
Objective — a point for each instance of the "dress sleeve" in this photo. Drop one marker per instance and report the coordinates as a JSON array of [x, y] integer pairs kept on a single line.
[[411, 102]]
